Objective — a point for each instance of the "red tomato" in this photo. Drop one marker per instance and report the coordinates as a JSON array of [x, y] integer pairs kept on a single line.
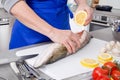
[[103, 77], [116, 75], [110, 66], [98, 71]]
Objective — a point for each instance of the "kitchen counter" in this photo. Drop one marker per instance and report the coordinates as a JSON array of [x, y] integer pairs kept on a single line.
[[104, 34]]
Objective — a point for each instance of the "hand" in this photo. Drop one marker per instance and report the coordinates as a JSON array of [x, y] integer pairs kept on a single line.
[[66, 37], [89, 11]]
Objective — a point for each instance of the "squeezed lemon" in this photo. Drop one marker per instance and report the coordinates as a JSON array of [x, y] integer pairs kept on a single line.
[[80, 17]]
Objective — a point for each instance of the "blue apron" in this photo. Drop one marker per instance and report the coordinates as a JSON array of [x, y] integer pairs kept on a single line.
[[54, 12]]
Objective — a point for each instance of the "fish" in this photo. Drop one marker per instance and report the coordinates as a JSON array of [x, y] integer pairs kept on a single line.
[[57, 51]]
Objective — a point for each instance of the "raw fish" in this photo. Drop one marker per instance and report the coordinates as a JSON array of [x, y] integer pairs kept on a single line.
[[57, 51]]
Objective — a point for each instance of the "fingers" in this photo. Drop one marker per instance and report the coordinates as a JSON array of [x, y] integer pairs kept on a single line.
[[89, 17], [69, 39], [88, 21], [65, 43], [72, 44], [76, 41]]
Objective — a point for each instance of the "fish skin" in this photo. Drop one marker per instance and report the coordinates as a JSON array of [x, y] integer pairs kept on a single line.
[[57, 51]]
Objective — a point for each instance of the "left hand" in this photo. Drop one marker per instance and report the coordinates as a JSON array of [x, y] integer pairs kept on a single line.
[[89, 11]]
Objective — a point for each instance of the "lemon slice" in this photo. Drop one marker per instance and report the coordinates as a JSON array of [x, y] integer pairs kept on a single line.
[[102, 61], [104, 57], [80, 17], [90, 63]]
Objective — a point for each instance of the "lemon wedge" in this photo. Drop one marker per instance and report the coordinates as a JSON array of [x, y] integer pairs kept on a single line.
[[80, 17], [90, 63], [104, 57]]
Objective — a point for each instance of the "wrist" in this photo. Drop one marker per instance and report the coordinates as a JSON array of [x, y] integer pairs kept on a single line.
[[82, 5], [52, 33], [81, 2]]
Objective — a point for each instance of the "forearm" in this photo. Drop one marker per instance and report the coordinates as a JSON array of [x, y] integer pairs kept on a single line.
[[79, 2], [28, 17]]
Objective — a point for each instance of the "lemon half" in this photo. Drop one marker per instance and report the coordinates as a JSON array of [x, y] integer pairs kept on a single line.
[[90, 63], [80, 17]]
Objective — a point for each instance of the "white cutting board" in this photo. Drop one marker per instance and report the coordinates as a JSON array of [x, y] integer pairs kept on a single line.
[[70, 65]]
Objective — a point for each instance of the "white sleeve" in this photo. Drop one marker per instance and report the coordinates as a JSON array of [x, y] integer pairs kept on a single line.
[[8, 4]]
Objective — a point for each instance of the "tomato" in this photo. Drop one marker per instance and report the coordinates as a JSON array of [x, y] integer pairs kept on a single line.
[[110, 66], [103, 77], [116, 75], [98, 71]]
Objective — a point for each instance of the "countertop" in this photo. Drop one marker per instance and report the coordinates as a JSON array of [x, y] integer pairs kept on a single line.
[[103, 34], [6, 71]]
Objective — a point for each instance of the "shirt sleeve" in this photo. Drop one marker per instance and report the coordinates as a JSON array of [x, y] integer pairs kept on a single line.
[[8, 4]]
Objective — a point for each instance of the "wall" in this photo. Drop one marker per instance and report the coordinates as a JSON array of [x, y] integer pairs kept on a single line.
[[1, 4], [114, 3]]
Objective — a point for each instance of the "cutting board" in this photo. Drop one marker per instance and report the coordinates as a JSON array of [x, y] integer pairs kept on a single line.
[[68, 66]]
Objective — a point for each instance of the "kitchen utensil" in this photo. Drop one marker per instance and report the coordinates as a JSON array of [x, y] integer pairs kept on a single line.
[[26, 72], [19, 58], [115, 25]]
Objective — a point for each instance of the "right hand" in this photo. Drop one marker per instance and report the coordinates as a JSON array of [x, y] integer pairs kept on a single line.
[[66, 37]]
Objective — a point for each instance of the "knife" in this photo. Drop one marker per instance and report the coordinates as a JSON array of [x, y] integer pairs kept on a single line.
[[19, 58]]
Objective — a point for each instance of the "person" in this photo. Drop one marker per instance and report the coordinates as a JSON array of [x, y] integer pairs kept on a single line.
[[44, 20]]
